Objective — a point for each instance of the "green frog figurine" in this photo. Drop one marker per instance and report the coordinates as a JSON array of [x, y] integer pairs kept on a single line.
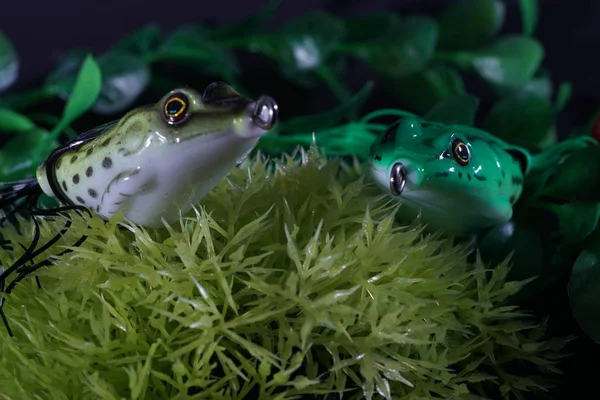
[[457, 178]]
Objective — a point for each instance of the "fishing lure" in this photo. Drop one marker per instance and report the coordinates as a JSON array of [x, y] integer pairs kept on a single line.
[[153, 164], [457, 178]]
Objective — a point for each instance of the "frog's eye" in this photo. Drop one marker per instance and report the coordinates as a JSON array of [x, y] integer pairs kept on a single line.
[[390, 134], [175, 109], [461, 152]]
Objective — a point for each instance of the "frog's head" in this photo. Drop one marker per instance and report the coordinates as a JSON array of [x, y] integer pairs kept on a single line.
[[184, 114], [189, 141], [455, 180]]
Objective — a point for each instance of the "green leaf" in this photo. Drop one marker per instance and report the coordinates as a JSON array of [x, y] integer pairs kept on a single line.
[[562, 96], [455, 109], [510, 62], [124, 77], [189, 45], [540, 86], [521, 119], [420, 92], [470, 23], [584, 289], [62, 78], [578, 220], [330, 118], [529, 15], [370, 27], [305, 43], [533, 187], [12, 121], [577, 178], [143, 42], [84, 94], [405, 49], [21, 155], [519, 237], [244, 27], [9, 63]]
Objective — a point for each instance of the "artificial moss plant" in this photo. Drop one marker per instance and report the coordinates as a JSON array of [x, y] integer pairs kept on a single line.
[[290, 278]]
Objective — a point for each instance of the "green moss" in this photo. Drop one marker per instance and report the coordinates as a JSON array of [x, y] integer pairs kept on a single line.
[[285, 281]]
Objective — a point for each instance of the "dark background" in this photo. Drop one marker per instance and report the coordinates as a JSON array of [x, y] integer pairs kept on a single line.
[[43, 30]]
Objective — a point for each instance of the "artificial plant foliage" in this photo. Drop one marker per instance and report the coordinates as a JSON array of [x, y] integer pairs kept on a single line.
[[583, 287], [9, 63], [290, 278], [25, 151], [422, 61], [486, 16]]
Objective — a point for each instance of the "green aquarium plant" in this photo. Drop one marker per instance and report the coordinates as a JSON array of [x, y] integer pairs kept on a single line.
[[291, 278], [283, 282]]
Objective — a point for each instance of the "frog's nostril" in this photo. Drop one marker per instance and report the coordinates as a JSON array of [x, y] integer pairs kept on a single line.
[[265, 112], [397, 179]]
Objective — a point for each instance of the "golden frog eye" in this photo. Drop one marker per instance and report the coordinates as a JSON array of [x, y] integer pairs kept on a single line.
[[461, 152], [175, 109]]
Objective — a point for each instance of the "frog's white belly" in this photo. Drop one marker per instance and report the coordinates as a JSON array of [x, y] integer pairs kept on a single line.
[[166, 180]]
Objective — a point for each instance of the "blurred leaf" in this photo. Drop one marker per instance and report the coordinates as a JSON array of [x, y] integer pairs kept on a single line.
[[578, 220], [518, 237], [12, 121], [46, 119], [522, 119], [370, 27], [562, 96], [20, 156], [550, 139], [540, 86], [470, 23], [577, 178], [305, 42], [9, 63], [62, 78], [584, 291], [529, 15], [311, 123], [246, 26], [455, 109], [190, 46], [509, 63], [533, 187], [403, 50], [84, 94], [124, 78], [143, 42], [420, 92]]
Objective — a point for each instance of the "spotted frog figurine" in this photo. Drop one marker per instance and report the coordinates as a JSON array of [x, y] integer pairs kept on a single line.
[[456, 178], [158, 160]]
